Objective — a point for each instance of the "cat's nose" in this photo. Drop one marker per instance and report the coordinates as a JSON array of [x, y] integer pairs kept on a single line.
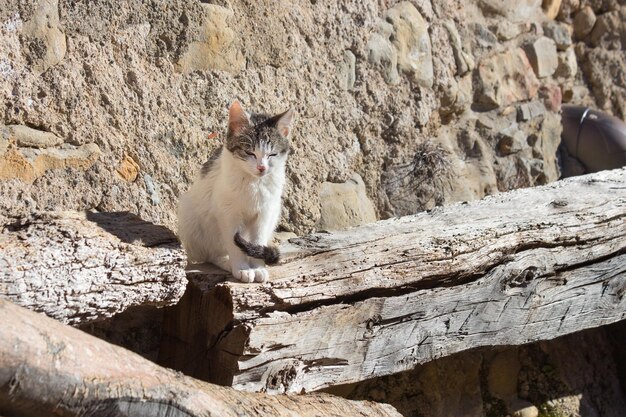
[[261, 168]]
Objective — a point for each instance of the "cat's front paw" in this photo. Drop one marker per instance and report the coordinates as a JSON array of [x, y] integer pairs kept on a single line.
[[244, 275], [261, 274]]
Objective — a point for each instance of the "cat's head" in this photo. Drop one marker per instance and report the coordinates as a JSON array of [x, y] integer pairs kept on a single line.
[[259, 143]]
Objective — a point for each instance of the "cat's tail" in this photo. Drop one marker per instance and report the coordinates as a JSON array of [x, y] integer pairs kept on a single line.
[[269, 254]]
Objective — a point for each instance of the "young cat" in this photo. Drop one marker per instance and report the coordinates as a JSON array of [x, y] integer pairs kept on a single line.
[[229, 214]]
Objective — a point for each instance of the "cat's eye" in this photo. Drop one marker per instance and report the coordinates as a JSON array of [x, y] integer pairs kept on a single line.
[[250, 154], [273, 154]]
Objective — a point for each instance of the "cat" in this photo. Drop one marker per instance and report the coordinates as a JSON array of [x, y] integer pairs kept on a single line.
[[229, 214]]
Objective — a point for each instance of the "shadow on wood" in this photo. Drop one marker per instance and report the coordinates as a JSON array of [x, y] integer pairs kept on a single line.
[[130, 228]]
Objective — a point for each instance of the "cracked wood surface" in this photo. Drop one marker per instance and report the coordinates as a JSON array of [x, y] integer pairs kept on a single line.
[[47, 368], [522, 266], [80, 267]]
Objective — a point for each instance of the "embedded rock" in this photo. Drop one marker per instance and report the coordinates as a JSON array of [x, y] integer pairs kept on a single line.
[[515, 11], [464, 61], [45, 37], [128, 169], [27, 153], [25, 136], [506, 78], [347, 72], [609, 30], [217, 46], [551, 8], [568, 66], [560, 33], [584, 22], [381, 52], [512, 140], [412, 41], [345, 205], [531, 110], [543, 56]]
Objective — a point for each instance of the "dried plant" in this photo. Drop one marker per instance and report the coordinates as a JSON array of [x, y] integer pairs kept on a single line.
[[420, 183]]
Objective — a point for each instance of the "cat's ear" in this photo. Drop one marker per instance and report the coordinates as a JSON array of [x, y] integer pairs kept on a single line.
[[284, 122], [237, 119]]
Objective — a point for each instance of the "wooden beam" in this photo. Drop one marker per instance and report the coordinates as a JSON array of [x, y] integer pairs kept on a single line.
[[527, 265], [47, 368], [81, 267]]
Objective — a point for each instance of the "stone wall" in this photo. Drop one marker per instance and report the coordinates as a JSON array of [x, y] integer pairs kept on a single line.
[[114, 106]]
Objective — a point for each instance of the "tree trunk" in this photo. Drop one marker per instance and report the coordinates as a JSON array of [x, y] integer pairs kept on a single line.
[[80, 267], [47, 368], [514, 268]]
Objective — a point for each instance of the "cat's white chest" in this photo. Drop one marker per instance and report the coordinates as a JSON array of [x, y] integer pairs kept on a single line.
[[259, 196]]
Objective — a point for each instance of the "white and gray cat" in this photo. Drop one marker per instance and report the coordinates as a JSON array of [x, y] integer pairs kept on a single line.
[[229, 214]]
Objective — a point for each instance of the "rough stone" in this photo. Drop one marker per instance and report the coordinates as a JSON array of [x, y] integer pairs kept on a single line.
[[345, 205], [29, 164], [143, 95], [548, 140], [543, 56], [44, 27], [514, 11], [530, 110], [152, 188], [28, 137], [456, 97], [511, 140], [568, 8], [463, 60], [14, 165], [552, 96], [568, 65], [217, 46], [605, 71], [476, 152], [381, 52], [560, 33], [610, 30], [483, 36], [506, 78], [505, 31], [412, 41], [347, 71], [551, 8], [584, 22], [128, 169], [574, 94], [4, 142]]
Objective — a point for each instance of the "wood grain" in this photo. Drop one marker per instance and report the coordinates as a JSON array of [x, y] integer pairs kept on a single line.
[[47, 368], [522, 266], [80, 267]]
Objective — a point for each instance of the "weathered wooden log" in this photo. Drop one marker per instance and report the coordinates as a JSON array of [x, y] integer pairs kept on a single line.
[[517, 267], [80, 267], [48, 368]]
